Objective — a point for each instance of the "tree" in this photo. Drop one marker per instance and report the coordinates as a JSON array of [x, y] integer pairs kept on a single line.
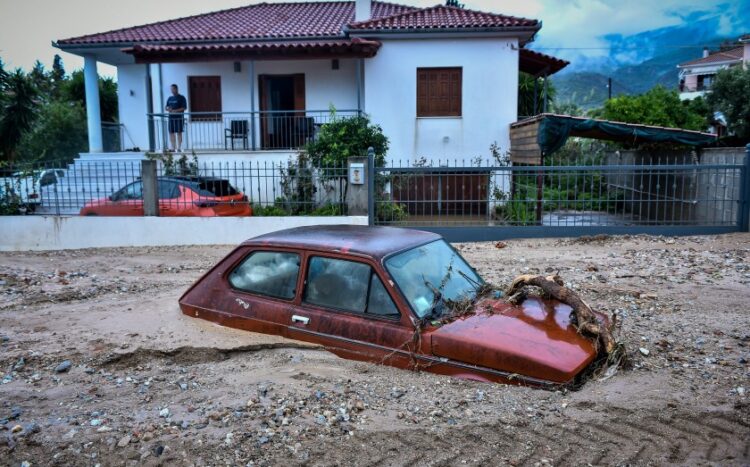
[[658, 106], [59, 133], [74, 89], [454, 3], [526, 94], [58, 70], [18, 113], [729, 95], [41, 80]]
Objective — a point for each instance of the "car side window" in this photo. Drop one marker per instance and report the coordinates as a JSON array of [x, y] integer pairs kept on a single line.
[[380, 303], [346, 285], [132, 191], [168, 190], [272, 273]]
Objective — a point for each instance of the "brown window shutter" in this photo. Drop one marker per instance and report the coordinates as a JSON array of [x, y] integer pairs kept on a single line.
[[205, 96], [439, 92]]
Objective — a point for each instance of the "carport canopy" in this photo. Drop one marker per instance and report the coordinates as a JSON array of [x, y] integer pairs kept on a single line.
[[533, 138]]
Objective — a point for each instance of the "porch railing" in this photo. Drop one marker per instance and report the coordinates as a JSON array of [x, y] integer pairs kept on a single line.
[[241, 131]]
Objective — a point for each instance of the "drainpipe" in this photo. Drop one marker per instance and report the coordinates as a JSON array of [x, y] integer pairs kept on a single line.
[[358, 64], [93, 110]]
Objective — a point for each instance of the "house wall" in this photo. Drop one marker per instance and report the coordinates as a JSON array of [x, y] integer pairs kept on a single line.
[[132, 87], [489, 97]]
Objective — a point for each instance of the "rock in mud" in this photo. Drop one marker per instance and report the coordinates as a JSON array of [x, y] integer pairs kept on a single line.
[[63, 367]]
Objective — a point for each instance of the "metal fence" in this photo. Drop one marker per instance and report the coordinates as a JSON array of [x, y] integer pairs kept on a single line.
[[235, 131], [185, 188], [482, 201], [463, 200]]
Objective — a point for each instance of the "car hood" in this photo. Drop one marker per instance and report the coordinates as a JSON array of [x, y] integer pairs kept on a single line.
[[534, 339]]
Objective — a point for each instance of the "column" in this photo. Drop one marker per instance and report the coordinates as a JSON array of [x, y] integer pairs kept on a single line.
[[93, 112]]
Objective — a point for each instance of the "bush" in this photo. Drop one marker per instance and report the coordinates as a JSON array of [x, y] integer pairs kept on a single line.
[[390, 211]]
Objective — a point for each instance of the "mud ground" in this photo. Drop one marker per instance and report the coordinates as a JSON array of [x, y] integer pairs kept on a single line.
[[99, 367]]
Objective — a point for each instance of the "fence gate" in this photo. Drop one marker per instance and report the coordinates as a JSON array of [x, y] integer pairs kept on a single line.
[[475, 203]]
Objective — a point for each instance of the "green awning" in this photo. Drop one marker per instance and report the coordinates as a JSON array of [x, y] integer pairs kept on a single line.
[[554, 131]]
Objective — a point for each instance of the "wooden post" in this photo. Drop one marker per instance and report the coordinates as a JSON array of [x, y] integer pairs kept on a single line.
[[539, 195]]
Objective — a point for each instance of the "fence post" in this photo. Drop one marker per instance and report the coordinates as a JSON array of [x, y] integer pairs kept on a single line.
[[150, 193], [370, 178], [744, 214]]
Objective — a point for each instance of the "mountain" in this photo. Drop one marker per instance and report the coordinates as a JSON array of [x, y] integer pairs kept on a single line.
[[638, 62]]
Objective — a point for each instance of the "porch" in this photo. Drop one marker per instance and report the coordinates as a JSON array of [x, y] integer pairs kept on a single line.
[[241, 99]]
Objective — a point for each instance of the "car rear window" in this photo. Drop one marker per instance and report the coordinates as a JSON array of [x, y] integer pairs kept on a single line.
[[216, 188]]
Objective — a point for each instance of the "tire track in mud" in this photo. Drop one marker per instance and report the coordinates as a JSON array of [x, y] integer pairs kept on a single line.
[[618, 436]]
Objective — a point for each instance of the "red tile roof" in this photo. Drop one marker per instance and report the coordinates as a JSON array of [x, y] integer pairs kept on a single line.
[[299, 20], [537, 63], [443, 17], [732, 55], [259, 21]]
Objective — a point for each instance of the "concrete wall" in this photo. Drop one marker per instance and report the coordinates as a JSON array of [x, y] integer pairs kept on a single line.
[[489, 96], [18, 233]]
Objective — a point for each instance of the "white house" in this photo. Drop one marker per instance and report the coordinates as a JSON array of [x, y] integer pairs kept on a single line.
[[260, 80]]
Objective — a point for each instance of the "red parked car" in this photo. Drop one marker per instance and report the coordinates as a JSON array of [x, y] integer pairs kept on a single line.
[[380, 294], [178, 196]]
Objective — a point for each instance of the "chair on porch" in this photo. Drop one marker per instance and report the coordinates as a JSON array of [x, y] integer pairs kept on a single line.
[[238, 129], [304, 130]]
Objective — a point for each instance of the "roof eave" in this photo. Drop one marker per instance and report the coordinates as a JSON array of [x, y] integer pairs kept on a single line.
[[725, 62], [528, 31]]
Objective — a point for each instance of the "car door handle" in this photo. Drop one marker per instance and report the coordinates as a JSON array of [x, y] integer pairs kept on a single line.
[[300, 319]]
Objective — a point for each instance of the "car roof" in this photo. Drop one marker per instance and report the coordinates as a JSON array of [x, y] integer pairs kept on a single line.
[[376, 242]]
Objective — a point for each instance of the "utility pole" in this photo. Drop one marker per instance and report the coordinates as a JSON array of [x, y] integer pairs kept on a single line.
[[609, 88]]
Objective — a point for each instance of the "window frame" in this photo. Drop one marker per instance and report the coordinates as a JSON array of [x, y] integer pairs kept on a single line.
[[434, 114], [365, 314], [247, 255]]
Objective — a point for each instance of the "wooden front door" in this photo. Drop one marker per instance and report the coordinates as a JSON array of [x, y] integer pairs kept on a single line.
[[282, 106]]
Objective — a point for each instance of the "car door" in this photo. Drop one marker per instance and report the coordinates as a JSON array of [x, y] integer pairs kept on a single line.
[[169, 196], [347, 306], [263, 288], [126, 202]]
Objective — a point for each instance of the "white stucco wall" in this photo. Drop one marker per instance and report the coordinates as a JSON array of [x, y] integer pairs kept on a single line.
[[132, 97], [489, 96], [20, 233]]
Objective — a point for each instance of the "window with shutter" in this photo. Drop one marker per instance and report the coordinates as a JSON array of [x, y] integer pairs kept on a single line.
[[439, 92], [205, 96]]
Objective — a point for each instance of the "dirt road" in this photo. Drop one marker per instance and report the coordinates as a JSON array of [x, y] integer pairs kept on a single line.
[[99, 367]]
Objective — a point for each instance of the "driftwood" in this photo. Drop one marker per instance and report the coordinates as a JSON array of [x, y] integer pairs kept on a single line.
[[585, 320]]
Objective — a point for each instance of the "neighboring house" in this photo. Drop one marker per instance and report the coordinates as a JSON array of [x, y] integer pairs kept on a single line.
[[261, 79], [696, 76]]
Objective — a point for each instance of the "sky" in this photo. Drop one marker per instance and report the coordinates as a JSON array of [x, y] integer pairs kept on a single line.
[[570, 27]]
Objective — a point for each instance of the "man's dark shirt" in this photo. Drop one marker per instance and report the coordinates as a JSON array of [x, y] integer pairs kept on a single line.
[[177, 102]]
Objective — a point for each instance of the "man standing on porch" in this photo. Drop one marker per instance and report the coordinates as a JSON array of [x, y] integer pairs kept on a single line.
[[176, 105]]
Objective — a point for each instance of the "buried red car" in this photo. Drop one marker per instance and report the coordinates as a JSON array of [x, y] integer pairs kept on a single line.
[[382, 294]]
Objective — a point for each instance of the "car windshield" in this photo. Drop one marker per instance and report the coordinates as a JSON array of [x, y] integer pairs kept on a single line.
[[431, 275]]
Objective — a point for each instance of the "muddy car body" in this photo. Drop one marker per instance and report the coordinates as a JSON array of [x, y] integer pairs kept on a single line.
[[380, 294]]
